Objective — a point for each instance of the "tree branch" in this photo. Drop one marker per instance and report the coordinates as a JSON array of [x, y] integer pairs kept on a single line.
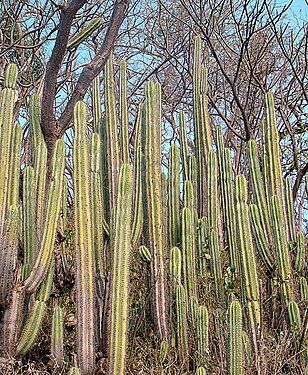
[[91, 70]]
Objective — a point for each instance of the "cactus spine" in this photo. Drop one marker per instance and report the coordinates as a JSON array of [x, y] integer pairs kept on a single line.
[[235, 344], [84, 244], [120, 278], [154, 201]]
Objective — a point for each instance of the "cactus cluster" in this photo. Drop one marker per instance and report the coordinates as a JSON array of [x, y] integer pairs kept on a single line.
[[227, 238]]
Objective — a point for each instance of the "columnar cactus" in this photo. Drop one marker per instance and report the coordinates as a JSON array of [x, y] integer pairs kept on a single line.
[[289, 208], [235, 344], [154, 209], [123, 114], [96, 104], [7, 101], [44, 256], [112, 139], [40, 169], [57, 351], [227, 195], [281, 245], [202, 336], [294, 316], [184, 145], [249, 269], [174, 196], [300, 252], [121, 244], [181, 319], [14, 168], [189, 253], [9, 253], [35, 124], [83, 243]]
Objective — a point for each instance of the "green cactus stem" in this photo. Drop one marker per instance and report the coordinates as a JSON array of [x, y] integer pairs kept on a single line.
[[201, 371], [84, 243], [202, 336], [300, 253], [145, 253], [44, 257], [184, 144], [96, 104], [249, 269], [14, 168], [57, 351], [294, 316], [174, 196], [154, 209], [289, 209], [123, 113], [84, 33], [235, 343], [181, 319], [120, 279]]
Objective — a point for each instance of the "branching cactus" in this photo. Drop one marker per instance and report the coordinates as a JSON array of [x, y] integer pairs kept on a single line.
[[154, 199], [174, 196], [202, 336], [84, 243], [235, 344], [44, 257], [7, 101], [249, 269], [57, 351], [120, 277]]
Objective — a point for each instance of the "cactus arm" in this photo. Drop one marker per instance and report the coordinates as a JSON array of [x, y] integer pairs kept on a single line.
[[35, 123], [83, 34], [120, 277], [84, 244], [44, 256]]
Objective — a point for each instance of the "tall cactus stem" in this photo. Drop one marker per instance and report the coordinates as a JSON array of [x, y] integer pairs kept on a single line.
[[235, 344], [124, 113], [57, 350]]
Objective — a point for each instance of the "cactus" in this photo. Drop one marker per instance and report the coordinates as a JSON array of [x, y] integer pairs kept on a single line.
[[216, 264], [121, 252], [189, 256], [123, 114], [247, 348], [174, 196], [96, 104], [181, 320], [289, 208], [57, 336], [44, 257], [145, 254], [35, 124], [300, 253], [184, 145], [32, 327], [99, 224], [263, 246], [202, 336], [8, 254], [201, 371], [83, 34], [249, 269], [84, 243], [14, 168], [175, 269], [154, 209], [74, 371], [280, 240], [235, 344], [29, 217], [294, 316], [201, 248], [228, 205], [40, 170], [303, 289], [112, 141], [7, 101]]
